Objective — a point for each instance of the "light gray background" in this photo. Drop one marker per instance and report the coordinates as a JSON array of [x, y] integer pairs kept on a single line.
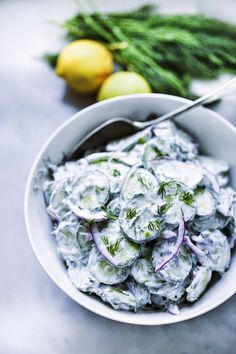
[[35, 316]]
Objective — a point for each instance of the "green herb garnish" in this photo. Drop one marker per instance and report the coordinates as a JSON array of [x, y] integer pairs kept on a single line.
[[116, 172], [102, 263], [154, 225], [131, 213], [162, 209], [112, 248], [172, 187], [168, 50], [141, 140], [187, 198], [147, 184]]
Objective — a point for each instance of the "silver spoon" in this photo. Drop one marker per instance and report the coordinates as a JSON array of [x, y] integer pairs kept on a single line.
[[121, 127]]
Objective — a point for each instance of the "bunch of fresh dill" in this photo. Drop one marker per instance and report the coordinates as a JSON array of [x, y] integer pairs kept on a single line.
[[169, 51]]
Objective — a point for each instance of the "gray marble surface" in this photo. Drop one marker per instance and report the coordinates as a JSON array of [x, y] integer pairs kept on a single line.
[[35, 316]]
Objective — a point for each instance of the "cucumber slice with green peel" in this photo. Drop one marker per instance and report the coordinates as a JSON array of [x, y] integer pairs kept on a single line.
[[178, 268], [213, 222], [143, 273], [170, 291], [103, 271], [70, 169], [90, 191], [59, 191], [173, 214], [226, 202], [114, 246], [176, 143], [216, 248], [139, 219], [81, 277], [183, 172], [116, 173], [114, 207], [152, 152], [140, 292], [214, 165], [117, 297], [138, 181], [223, 180], [201, 278], [97, 159], [74, 241], [206, 202]]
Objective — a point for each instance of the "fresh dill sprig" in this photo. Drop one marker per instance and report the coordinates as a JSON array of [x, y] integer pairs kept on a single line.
[[112, 248], [187, 198], [162, 209], [116, 172], [154, 225], [169, 186], [147, 184], [102, 263], [131, 213], [110, 215], [99, 160], [117, 290]]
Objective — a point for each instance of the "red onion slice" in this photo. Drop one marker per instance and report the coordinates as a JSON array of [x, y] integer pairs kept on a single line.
[[179, 241], [194, 248], [86, 214]]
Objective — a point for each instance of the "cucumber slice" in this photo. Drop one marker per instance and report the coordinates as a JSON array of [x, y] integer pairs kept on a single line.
[[174, 213], [103, 271], [143, 273], [212, 222], [201, 278], [70, 169], [206, 202], [118, 298], [227, 199], [223, 180], [97, 159], [183, 172], [138, 181], [139, 219], [152, 152], [215, 166], [170, 291], [178, 268], [74, 241], [81, 277], [116, 173], [140, 292], [174, 142], [90, 190], [59, 191], [113, 245], [216, 248]]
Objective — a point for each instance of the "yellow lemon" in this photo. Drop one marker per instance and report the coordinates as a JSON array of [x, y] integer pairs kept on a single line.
[[123, 83], [84, 64]]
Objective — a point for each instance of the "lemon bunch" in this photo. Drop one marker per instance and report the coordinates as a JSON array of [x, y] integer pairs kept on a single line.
[[87, 65]]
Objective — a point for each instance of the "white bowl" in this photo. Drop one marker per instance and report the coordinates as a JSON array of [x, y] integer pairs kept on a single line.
[[217, 137]]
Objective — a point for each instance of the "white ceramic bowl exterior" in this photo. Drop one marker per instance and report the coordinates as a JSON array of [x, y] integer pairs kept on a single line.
[[217, 137]]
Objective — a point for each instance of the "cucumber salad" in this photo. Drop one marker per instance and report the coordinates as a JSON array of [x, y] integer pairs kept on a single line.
[[145, 222]]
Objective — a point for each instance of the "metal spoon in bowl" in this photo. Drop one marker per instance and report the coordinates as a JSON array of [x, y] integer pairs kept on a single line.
[[123, 126]]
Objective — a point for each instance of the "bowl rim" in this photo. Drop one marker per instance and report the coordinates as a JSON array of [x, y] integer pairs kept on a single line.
[[115, 315]]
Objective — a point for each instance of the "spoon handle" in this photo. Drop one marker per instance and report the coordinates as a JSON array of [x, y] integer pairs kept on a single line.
[[198, 102]]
